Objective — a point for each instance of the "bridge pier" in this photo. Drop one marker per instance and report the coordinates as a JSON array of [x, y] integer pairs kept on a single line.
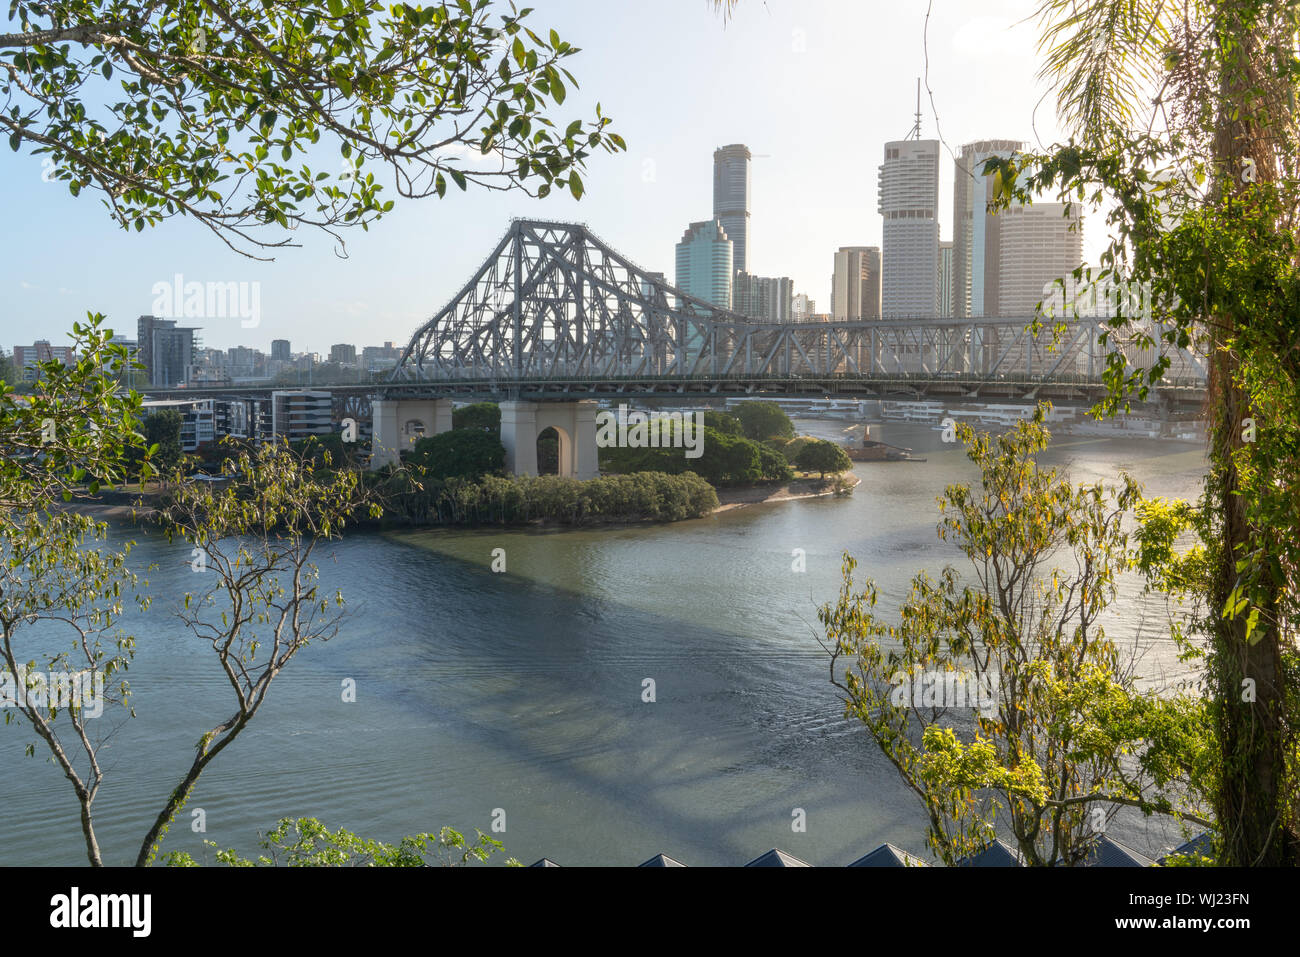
[[575, 423], [400, 423]]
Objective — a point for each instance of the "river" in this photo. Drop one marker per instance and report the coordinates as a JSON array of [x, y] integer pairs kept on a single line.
[[522, 692]]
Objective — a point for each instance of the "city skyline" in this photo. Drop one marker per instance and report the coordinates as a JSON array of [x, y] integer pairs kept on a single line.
[[810, 193]]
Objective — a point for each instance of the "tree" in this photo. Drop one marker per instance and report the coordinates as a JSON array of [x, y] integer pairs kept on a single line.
[[458, 453], [219, 99], [163, 429], [762, 420], [997, 695], [773, 465], [327, 451], [306, 842], [1204, 201], [478, 415], [7, 371], [62, 656], [73, 425], [822, 456], [259, 604], [722, 422]]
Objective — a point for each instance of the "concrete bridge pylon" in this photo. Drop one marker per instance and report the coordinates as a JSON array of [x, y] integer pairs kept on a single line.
[[523, 422], [400, 423]]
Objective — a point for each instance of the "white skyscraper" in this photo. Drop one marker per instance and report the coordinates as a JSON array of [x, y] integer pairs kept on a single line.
[[731, 183], [908, 201]]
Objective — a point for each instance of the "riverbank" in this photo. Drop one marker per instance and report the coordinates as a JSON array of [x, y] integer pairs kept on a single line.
[[119, 506], [733, 498]]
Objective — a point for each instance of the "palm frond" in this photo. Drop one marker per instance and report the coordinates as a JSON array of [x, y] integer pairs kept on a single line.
[[1103, 57]]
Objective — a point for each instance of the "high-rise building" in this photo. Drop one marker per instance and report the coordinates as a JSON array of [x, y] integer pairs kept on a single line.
[[1036, 245], [975, 231], [245, 362], [945, 279], [763, 297], [908, 195], [280, 350], [27, 357], [343, 354], [166, 350], [731, 198], [855, 284], [705, 263], [801, 307]]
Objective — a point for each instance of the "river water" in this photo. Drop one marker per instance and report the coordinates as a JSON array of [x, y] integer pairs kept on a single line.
[[479, 693]]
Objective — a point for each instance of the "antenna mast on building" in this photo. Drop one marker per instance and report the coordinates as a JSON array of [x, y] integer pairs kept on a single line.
[[916, 129]]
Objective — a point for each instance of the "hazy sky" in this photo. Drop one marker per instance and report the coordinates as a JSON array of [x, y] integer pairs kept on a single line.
[[814, 86]]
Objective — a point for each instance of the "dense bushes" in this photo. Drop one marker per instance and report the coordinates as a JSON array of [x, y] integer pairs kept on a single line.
[[726, 460], [468, 453], [496, 499], [723, 422], [485, 416]]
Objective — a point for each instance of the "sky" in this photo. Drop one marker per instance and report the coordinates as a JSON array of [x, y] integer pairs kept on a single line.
[[813, 87]]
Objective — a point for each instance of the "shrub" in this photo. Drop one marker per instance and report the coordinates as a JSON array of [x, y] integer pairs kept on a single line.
[[460, 453]]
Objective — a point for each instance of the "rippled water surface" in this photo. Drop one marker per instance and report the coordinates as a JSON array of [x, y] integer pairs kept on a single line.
[[523, 691]]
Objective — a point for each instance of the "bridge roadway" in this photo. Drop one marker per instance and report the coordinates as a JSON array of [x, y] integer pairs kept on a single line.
[[953, 387]]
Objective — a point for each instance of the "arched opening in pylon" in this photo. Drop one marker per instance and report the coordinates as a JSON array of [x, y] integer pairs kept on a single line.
[[554, 452]]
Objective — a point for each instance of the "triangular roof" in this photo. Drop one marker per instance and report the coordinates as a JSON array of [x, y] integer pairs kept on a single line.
[[1111, 853], [1201, 845], [661, 860], [544, 862], [997, 854], [777, 858], [887, 855]]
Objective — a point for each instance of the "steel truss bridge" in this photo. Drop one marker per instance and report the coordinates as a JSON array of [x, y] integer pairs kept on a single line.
[[556, 312]]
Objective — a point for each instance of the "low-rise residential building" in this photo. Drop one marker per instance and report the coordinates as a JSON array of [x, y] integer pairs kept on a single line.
[[298, 414]]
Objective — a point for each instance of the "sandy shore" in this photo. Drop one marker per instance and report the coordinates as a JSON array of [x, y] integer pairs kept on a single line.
[[731, 498]]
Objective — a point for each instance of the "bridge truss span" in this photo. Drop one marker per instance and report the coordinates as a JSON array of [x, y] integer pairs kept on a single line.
[[553, 303]]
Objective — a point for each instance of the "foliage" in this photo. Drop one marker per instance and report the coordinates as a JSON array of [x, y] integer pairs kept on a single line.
[[478, 415], [73, 428], [306, 842], [223, 104], [822, 456], [62, 591], [1061, 729], [459, 453], [503, 500], [773, 466], [163, 429], [725, 460], [548, 452], [722, 422], [1202, 192], [258, 603], [323, 451], [762, 420]]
